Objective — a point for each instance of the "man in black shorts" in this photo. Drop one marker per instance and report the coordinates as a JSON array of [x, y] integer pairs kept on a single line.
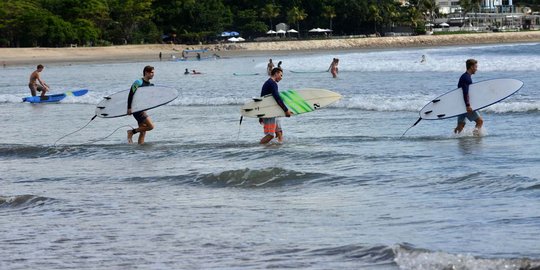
[[145, 123]]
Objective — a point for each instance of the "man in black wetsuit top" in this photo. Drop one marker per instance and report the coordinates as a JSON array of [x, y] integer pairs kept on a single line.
[[144, 122]]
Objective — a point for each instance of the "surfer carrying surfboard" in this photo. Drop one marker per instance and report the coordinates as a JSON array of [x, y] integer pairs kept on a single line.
[[144, 122], [33, 83], [464, 81], [272, 126]]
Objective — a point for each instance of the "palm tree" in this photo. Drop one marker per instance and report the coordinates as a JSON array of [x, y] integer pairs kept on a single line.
[[375, 16], [295, 15], [329, 12], [270, 11]]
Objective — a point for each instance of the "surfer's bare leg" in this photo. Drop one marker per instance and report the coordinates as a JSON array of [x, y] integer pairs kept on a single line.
[[279, 136], [130, 136], [145, 126], [478, 126], [479, 123], [459, 128], [266, 139]]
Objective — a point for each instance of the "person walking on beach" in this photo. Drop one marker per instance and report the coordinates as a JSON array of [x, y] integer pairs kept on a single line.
[[143, 120], [33, 83], [269, 67], [272, 126], [464, 81], [334, 67]]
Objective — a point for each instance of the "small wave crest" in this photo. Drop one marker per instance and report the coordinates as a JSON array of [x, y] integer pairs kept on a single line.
[[408, 257], [257, 177], [23, 201], [415, 103]]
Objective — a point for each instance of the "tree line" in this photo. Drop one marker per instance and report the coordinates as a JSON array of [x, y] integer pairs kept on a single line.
[[53, 23]]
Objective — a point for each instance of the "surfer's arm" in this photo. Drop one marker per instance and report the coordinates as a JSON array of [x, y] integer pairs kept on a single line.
[[134, 87], [42, 82], [281, 104], [466, 95]]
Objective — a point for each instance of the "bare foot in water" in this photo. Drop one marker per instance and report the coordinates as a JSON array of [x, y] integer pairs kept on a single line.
[[130, 136]]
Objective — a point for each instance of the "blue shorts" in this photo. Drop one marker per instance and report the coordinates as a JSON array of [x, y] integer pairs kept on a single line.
[[271, 125], [140, 116], [471, 116]]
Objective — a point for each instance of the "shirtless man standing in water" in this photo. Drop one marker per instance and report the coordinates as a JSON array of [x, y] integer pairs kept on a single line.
[[33, 83]]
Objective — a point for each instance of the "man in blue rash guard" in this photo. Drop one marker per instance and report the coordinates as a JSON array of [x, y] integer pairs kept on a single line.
[[272, 126], [144, 122], [464, 81]]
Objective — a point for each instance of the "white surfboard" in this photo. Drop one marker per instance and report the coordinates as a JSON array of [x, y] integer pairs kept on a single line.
[[481, 95], [298, 101], [145, 98]]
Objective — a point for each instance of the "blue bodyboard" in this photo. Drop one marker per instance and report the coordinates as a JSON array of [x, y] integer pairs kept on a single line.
[[55, 97]]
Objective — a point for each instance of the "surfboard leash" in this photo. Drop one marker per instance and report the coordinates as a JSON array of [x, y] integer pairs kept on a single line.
[[417, 121], [95, 140], [94, 117]]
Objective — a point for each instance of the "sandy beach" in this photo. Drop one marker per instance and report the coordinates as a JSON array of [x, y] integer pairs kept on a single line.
[[23, 56]]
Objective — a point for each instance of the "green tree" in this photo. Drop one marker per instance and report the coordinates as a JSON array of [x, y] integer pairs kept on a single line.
[[375, 15], [127, 17], [295, 15], [270, 11], [329, 12]]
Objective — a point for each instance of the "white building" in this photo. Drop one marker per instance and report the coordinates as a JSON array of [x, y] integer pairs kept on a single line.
[[495, 6]]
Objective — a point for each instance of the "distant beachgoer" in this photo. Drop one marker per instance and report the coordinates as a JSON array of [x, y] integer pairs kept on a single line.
[[4, 64], [334, 67], [198, 56], [423, 59], [196, 72], [279, 64], [143, 120], [160, 56], [33, 83], [272, 125], [269, 67], [186, 72], [464, 81]]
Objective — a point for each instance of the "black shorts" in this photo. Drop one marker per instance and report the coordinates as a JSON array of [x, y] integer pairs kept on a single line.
[[140, 116]]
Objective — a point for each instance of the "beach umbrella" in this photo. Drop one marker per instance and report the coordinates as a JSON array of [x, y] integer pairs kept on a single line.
[[292, 31], [225, 34], [240, 39], [316, 30], [234, 33], [233, 39], [270, 32], [326, 30], [444, 24], [281, 31]]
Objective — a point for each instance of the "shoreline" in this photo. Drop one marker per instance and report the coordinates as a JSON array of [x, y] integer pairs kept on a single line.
[[126, 53]]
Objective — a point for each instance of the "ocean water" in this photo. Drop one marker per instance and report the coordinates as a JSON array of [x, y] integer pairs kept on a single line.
[[344, 191]]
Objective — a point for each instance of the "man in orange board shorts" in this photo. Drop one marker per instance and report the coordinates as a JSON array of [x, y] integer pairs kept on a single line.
[[272, 127]]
